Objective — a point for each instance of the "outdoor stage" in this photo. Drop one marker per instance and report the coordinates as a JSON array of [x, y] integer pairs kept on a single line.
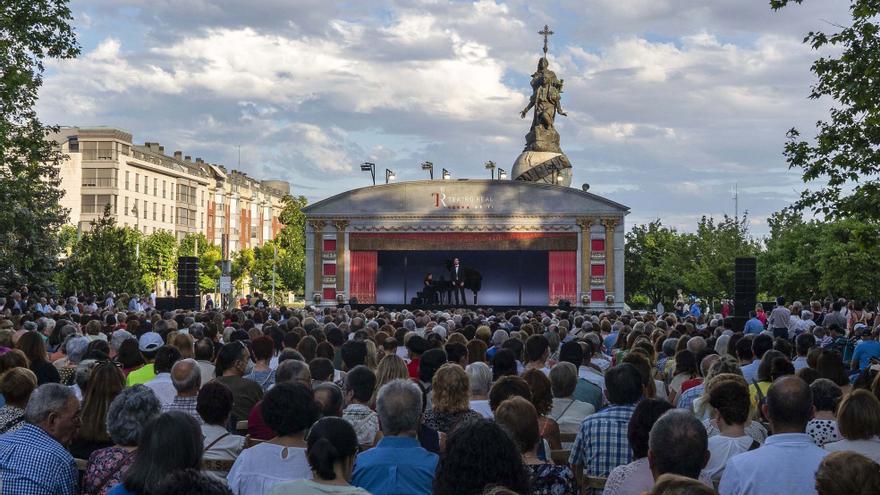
[[531, 244]]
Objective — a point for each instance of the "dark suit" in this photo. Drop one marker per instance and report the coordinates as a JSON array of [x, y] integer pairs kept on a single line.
[[457, 274]]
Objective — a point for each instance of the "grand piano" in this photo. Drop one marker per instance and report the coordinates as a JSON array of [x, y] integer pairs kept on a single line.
[[440, 291]]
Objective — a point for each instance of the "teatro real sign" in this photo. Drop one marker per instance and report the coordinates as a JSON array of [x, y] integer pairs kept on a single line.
[[451, 201]]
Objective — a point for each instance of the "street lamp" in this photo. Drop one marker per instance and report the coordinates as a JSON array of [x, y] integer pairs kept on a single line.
[[371, 168], [430, 168], [389, 176], [502, 174], [490, 166], [446, 174]]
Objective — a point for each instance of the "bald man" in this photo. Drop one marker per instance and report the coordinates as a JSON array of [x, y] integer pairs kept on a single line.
[[788, 460], [187, 379]]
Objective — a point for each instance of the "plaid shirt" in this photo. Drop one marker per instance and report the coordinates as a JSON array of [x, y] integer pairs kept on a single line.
[[183, 404], [686, 401], [33, 463], [601, 444]]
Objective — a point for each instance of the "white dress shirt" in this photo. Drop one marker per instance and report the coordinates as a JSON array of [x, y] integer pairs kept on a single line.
[[786, 463], [163, 388], [869, 448]]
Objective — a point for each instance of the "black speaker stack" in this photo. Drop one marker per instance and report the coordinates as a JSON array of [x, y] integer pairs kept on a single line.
[[188, 282], [745, 290]]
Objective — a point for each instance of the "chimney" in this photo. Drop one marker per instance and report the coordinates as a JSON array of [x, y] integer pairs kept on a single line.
[[178, 155], [187, 158], [161, 149], [199, 160]]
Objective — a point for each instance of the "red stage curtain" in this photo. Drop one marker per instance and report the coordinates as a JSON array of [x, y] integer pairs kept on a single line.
[[563, 276], [363, 276]]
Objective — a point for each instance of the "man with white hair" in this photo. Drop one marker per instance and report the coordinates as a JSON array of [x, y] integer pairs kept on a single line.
[[34, 458], [186, 376]]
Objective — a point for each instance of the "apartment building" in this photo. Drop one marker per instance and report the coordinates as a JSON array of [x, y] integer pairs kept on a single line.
[[151, 191]]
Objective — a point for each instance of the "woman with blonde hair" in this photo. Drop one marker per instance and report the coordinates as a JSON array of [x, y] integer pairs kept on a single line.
[[391, 367], [450, 404], [370, 361]]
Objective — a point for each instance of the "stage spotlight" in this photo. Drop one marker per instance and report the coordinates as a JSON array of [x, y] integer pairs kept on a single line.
[[490, 166], [446, 174], [585, 187], [371, 168], [502, 174], [389, 176], [430, 168]]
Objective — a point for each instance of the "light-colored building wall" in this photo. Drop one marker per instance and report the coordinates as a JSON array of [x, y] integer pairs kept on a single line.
[[151, 191]]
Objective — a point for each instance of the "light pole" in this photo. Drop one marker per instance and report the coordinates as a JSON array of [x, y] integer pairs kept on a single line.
[[490, 166], [446, 174], [502, 174], [430, 168], [389, 176], [371, 168]]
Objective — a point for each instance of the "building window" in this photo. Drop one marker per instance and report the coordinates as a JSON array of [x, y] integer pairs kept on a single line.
[[146, 206], [203, 198], [98, 150], [202, 221], [126, 179], [329, 269], [126, 206], [99, 177], [163, 213], [95, 203], [329, 245], [154, 211], [163, 189], [155, 187], [137, 180]]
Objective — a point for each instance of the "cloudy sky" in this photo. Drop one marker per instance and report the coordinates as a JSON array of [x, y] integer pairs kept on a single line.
[[670, 102]]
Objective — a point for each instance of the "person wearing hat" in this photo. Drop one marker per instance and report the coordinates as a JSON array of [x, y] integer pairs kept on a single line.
[[868, 348], [149, 345], [416, 345]]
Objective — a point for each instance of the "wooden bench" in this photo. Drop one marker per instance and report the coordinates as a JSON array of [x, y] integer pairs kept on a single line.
[[220, 465], [593, 484], [567, 437], [250, 442]]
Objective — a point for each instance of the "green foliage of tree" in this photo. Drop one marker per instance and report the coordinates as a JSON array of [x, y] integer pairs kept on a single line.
[[656, 261], [242, 268], [814, 259], [209, 259], [292, 241], [30, 32], [105, 260], [841, 165], [660, 260], [158, 258]]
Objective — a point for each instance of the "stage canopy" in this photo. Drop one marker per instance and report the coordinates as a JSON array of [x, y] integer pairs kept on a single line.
[[376, 243]]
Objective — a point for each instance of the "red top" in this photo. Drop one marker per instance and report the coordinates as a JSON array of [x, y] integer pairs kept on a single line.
[[693, 382], [256, 426], [413, 368]]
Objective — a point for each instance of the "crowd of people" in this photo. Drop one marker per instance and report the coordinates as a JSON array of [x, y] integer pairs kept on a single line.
[[100, 398]]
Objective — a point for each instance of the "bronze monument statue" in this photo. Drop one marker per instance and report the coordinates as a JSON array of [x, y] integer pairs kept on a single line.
[[542, 159]]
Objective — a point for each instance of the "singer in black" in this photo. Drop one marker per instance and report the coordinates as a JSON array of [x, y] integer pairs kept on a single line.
[[457, 277]]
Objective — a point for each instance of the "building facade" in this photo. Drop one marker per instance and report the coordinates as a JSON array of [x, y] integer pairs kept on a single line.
[[151, 191], [532, 244]]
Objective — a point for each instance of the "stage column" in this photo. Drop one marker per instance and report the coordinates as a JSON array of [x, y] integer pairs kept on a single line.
[[318, 262], [586, 224], [340, 225], [610, 224]]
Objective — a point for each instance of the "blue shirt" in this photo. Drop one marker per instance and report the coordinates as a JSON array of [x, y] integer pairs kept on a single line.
[[686, 401], [786, 463], [120, 489], [32, 463], [395, 466], [750, 371], [865, 350], [602, 443], [754, 326], [610, 340]]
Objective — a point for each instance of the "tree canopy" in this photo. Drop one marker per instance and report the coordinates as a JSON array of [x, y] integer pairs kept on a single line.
[[30, 220]]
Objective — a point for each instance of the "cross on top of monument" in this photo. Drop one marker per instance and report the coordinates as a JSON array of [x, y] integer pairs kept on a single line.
[[546, 32]]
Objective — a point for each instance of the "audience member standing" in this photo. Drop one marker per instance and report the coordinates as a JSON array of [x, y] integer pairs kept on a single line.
[[231, 365]]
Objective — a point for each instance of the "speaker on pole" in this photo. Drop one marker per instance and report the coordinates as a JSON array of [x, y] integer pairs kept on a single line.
[[745, 290]]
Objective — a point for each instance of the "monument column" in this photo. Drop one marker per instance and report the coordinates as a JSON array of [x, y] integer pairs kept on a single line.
[[318, 262], [586, 224], [341, 225], [610, 224]]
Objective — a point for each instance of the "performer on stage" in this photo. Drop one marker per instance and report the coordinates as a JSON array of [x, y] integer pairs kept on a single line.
[[458, 282], [429, 291]]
